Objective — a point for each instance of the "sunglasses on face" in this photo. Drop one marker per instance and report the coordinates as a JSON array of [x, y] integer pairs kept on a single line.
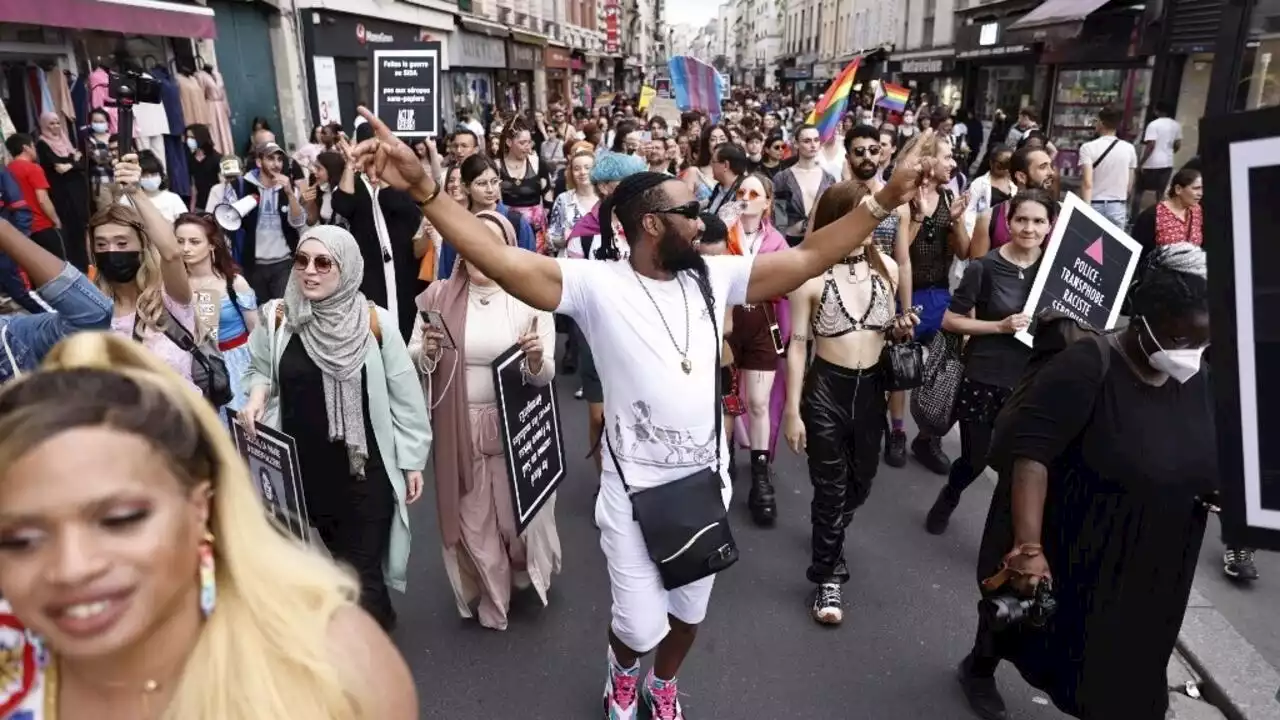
[[749, 194], [691, 210], [776, 148], [323, 263], [872, 150]]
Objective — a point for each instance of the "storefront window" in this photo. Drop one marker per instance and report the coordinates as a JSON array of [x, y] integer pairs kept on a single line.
[[472, 93], [1001, 87], [1264, 75], [1078, 97]]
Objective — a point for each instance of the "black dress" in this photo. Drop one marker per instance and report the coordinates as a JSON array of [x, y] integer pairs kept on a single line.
[[205, 173], [403, 219], [1122, 528], [69, 192], [353, 516]]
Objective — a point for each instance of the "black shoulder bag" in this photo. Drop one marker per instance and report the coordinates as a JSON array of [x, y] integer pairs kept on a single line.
[[684, 522], [208, 369]]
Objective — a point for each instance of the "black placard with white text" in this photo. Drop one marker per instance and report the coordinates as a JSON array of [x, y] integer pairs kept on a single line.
[[1241, 165], [1087, 267], [272, 457], [406, 90], [529, 423]]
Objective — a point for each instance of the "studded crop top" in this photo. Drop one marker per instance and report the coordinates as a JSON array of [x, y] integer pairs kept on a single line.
[[832, 318]]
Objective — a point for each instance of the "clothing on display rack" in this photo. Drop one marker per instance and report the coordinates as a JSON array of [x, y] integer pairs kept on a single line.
[[175, 144], [220, 121], [195, 109]]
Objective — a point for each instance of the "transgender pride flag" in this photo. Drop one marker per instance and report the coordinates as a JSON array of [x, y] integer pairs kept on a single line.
[[697, 85]]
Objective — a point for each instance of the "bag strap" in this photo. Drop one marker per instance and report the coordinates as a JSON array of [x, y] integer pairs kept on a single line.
[[704, 287], [8, 352], [1106, 152]]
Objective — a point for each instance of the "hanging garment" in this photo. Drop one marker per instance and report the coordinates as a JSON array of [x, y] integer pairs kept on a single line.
[[171, 98], [16, 79], [175, 150], [59, 89], [41, 89], [80, 100], [98, 95], [195, 109], [220, 120]]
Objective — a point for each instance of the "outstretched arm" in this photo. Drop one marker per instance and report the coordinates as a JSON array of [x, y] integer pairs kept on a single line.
[[532, 278], [778, 273]]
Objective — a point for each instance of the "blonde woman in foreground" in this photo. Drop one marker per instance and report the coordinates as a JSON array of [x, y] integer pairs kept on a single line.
[[160, 590]]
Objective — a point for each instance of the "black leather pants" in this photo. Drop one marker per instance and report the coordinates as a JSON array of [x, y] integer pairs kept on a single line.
[[843, 412]]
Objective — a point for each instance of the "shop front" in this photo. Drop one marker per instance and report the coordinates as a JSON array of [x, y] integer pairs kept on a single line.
[[517, 80], [474, 58], [579, 89], [932, 73], [1098, 61], [999, 72], [559, 64], [339, 51], [796, 79]]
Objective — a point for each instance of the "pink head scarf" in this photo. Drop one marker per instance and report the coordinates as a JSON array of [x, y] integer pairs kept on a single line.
[[56, 140]]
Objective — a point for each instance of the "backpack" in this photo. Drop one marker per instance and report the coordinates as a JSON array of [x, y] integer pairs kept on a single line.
[[375, 326], [1055, 331]]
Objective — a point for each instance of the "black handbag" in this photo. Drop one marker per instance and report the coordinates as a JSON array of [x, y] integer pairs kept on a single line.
[[933, 403], [685, 523], [208, 370], [903, 365]]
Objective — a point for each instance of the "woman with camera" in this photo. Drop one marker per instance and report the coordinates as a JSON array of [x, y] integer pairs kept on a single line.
[[987, 309], [1105, 464]]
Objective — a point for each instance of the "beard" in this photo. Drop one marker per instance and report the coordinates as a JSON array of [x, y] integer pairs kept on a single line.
[[676, 254], [865, 170]]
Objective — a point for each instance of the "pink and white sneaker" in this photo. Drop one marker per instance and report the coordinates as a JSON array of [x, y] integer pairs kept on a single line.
[[663, 698], [620, 691]]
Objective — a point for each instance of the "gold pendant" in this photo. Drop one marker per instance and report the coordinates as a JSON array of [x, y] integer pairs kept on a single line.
[[686, 366]]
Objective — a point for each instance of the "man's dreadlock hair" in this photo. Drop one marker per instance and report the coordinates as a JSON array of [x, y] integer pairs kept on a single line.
[[634, 197]]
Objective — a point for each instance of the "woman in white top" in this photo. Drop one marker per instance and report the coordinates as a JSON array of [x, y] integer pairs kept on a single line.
[[572, 204], [317, 198], [484, 554], [155, 184]]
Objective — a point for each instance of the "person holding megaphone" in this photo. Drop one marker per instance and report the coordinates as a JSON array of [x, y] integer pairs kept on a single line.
[[267, 215]]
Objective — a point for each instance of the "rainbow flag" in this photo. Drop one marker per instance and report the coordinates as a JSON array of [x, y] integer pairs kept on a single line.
[[826, 115], [696, 85], [893, 97]]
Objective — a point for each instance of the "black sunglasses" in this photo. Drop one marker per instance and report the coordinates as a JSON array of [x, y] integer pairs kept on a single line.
[[691, 210], [868, 150]]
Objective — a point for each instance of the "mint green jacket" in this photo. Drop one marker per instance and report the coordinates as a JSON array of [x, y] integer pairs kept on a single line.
[[397, 408]]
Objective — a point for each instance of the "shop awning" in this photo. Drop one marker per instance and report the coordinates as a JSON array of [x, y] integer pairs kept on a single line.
[[484, 27], [528, 38], [1053, 20], [133, 17]]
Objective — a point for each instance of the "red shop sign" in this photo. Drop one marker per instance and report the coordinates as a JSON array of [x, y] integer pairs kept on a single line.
[[611, 11]]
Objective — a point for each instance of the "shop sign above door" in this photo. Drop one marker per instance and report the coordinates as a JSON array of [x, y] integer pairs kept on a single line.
[[365, 36], [523, 57], [476, 51]]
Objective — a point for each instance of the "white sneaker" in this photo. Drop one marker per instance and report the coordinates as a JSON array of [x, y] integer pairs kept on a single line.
[[828, 609]]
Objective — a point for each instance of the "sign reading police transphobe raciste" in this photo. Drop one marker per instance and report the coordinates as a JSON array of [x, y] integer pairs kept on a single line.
[[1087, 267], [529, 423], [406, 90]]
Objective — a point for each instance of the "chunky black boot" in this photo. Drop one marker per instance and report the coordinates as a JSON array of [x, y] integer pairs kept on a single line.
[[929, 452], [762, 501], [895, 449], [981, 692], [940, 514]]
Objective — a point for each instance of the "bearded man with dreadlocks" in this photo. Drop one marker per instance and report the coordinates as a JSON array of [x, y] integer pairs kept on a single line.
[[658, 365]]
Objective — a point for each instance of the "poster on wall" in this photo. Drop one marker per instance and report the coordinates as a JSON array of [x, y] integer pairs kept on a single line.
[[1241, 166], [1087, 267], [406, 90], [327, 91], [529, 423]]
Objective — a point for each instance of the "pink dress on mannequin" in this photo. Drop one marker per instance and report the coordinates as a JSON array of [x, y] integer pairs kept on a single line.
[[216, 95]]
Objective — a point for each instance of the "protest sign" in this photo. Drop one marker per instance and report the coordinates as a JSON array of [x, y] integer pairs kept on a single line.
[[1087, 267], [1241, 166], [529, 423], [272, 458], [406, 90]]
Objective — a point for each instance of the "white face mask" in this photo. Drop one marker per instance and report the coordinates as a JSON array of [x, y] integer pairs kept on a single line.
[[192, 144], [1181, 365], [98, 127], [150, 183]]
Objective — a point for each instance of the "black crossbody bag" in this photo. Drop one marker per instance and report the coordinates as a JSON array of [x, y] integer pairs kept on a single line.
[[684, 522]]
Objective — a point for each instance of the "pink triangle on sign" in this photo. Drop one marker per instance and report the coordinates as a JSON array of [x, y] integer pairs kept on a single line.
[[1095, 251]]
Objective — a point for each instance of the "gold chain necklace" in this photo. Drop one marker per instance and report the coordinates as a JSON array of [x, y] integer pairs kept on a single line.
[[51, 690]]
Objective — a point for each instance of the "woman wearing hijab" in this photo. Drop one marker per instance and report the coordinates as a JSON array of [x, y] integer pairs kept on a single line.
[[328, 369], [484, 556], [68, 185]]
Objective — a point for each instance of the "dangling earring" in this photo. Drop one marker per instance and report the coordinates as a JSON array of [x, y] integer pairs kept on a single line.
[[208, 582]]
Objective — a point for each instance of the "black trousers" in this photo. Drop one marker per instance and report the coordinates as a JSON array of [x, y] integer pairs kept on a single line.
[[359, 536], [269, 280], [843, 412], [977, 405]]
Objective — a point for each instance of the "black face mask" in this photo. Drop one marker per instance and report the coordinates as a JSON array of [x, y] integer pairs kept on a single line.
[[118, 266]]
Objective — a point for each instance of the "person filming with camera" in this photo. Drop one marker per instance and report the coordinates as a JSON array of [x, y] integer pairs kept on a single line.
[[1107, 473]]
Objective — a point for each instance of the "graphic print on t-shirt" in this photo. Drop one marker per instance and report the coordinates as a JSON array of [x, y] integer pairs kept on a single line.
[[659, 419]]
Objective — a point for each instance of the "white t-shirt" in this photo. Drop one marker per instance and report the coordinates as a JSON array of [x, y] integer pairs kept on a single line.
[[658, 419], [1164, 131], [1111, 177], [167, 202]]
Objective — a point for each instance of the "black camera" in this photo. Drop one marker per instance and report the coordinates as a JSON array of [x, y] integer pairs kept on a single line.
[[1004, 611], [126, 89]]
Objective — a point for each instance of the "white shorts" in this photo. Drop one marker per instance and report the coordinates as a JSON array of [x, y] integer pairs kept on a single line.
[[640, 602]]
